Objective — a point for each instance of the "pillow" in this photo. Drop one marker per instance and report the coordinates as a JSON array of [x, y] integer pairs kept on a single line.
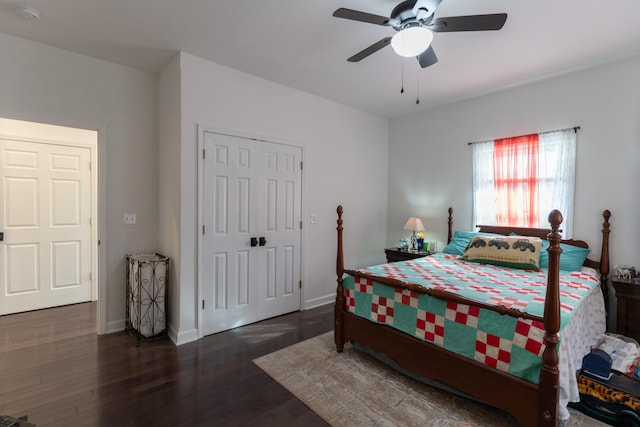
[[506, 251], [571, 259], [461, 240]]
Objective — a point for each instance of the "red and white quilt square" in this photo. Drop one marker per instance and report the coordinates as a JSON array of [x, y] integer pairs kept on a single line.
[[406, 297], [446, 287], [364, 285], [382, 310], [485, 289], [569, 294], [461, 313], [509, 302], [430, 327], [350, 300], [493, 351], [529, 335], [577, 285]]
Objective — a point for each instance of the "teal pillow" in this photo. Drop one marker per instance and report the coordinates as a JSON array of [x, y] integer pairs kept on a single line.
[[460, 241], [571, 258]]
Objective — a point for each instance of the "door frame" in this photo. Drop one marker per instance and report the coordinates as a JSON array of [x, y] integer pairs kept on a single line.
[[201, 129], [41, 132]]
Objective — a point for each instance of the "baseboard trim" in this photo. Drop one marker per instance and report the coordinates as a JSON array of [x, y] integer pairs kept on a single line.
[[115, 326], [183, 337], [318, 302]]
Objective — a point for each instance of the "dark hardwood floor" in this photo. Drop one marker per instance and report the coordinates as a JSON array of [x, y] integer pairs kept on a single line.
[[55, 369]]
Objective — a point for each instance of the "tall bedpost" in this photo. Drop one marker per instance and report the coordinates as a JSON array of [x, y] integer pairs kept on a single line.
[[604, 260], [450, 225], [549, 375], [339, 306]]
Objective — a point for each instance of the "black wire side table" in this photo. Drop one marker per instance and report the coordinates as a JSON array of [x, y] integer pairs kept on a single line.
[[147, 280]]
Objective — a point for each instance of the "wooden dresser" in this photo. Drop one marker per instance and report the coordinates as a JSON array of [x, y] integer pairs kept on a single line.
[[628, 295]]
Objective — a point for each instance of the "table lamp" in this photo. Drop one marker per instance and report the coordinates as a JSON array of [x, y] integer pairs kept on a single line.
[[414, 224]]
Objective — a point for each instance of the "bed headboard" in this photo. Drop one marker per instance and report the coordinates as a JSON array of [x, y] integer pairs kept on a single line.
[[602, 265]]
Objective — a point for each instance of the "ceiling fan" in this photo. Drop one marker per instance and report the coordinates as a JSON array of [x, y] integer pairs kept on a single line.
[[413, 20]]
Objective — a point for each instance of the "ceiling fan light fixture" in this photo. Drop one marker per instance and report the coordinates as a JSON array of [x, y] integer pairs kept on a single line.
[[411, 41]]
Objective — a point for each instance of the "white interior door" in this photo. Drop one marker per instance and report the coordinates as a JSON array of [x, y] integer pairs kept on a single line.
[[250, 243], [45, 215], [279, 217]]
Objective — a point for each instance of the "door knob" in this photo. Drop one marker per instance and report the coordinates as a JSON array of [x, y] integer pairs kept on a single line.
[[263, 241], [254, 241], [1, 236]]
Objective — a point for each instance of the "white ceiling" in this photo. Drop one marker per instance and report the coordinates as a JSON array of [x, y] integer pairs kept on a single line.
[[299, 44]]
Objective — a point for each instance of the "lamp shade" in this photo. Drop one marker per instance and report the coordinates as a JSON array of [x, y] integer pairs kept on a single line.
[[411, 41], [414, 224]]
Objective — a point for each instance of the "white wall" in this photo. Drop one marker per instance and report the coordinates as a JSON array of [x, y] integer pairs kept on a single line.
[[345, 154], [604, 102], [169, 102], [49, 85]]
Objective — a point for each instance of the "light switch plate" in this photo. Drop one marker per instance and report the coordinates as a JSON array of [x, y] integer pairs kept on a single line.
[[129, 218]]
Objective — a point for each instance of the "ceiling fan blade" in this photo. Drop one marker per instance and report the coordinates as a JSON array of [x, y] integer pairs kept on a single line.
[[493, 21], [371, 49], [356, 15], [428, 57]]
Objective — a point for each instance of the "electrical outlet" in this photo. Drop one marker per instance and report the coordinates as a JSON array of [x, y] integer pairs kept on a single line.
[[314, 218], [129, 218]]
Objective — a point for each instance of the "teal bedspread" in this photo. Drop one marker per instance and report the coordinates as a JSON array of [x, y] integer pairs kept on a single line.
[[510, 344]]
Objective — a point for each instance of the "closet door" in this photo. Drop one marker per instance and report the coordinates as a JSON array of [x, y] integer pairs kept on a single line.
[[250, 241]]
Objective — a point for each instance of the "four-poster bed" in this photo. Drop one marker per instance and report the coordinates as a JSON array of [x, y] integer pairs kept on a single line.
[[531, 402]]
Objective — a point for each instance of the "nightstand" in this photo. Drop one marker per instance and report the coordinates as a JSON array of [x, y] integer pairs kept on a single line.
[[395, 254], [628, 295]]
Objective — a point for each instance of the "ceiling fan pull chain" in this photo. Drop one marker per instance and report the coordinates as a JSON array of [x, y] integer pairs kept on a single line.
[[418, 89], [402, 79]]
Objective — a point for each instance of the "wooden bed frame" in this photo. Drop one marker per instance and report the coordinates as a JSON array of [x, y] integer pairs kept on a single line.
[[532, 404]]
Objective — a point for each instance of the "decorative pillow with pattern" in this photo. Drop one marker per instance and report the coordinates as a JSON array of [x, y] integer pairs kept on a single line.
[[460, 241], [571, 259], [506, 251]]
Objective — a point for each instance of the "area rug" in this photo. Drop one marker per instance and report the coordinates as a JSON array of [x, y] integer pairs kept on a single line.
[[354, 389]]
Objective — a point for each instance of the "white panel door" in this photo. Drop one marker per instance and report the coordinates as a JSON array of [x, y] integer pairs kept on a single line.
[[45, 214], [250, 261], [279, 215]]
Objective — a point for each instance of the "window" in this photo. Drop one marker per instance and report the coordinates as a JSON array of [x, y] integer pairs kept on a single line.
[[518, 181]]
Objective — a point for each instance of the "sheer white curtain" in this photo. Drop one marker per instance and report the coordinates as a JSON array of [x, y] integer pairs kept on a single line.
[[556, 172], [556, 179], [484, 194]]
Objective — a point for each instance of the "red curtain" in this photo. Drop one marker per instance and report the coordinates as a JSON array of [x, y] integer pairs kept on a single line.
[[515, 165]]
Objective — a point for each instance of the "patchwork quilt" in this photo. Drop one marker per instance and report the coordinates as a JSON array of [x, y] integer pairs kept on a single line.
[[513, 345]]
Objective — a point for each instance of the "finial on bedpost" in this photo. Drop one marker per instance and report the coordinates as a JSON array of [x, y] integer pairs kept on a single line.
[[450, 223], [339, 306], [555, 219], [549, 373]]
